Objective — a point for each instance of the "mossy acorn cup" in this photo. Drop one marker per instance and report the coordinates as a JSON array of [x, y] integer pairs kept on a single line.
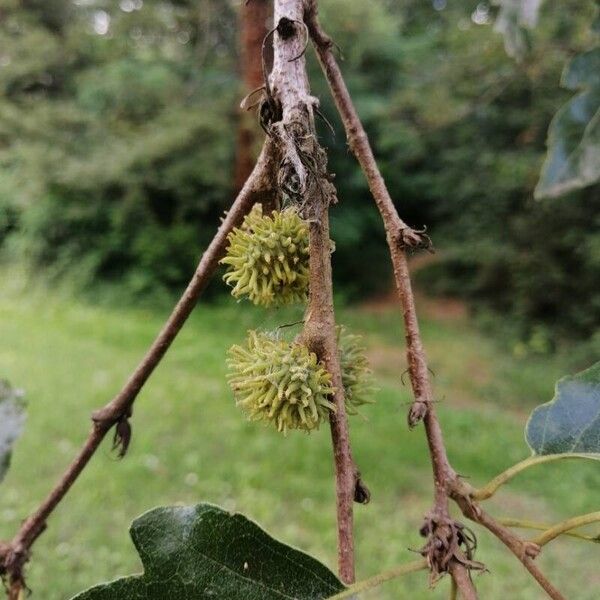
[[357, 376], [267, 258], [280, 382], [283, 383]]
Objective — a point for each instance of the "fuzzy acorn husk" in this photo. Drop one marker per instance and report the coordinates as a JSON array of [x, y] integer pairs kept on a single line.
[[357, 376], [283, 383], [280, 382], [267, 258]]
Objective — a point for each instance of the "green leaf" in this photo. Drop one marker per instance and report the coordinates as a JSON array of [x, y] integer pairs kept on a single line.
[[573, 159], [12, 419], [202, 551], [570, 422], [514, 18]]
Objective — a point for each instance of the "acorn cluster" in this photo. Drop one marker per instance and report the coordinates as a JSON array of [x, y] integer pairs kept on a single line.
[[280, 382], [274, 380], [267, 258]]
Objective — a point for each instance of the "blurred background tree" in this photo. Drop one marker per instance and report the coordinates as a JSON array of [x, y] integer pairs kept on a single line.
[[118, 133]]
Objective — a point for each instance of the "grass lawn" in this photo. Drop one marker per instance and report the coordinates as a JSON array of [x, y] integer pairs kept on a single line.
[[191, 443]]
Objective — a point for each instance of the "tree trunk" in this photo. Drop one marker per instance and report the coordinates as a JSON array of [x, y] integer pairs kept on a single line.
[[253, 20]]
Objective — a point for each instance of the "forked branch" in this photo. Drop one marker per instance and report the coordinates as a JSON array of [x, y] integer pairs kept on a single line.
[[14, 555], [488, 490], [400, 237]]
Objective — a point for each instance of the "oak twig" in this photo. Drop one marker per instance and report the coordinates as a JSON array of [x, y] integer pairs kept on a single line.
[[15, 554], [304, 179], [488, 490], [461, 580], [453, 589], [376, 580], [400, 237], [526, 524]]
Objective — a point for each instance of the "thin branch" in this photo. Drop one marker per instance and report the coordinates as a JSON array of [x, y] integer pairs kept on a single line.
[[14, 555], [461, 580], [320, 336], [525, 551], [566, 526], [304, 173], [377, 580], [399, 237], [526, 524], [488, 490], [303, 177], [453, 589]]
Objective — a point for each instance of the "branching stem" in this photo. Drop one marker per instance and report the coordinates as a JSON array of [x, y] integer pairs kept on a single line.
[[453, 589], [488, 490], [304, 178], [461, 581], [399, 237], [565, 527], [14, 555], [377, 580], [526, 524]]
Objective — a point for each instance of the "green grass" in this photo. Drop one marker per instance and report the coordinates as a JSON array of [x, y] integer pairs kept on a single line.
[[190, 443]]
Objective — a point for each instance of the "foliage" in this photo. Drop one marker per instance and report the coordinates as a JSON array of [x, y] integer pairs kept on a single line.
[[521, 269], [571, 421], [573, 159], [460, 134], [202, 550], [115, 153], [12, 419]]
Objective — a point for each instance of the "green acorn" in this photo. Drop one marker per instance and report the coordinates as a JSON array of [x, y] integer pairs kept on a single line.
[[357, 377], [267, 258], [281, 382]]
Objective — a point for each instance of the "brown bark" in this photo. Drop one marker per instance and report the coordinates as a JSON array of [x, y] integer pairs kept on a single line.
[[253, 20], [303, 174]]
